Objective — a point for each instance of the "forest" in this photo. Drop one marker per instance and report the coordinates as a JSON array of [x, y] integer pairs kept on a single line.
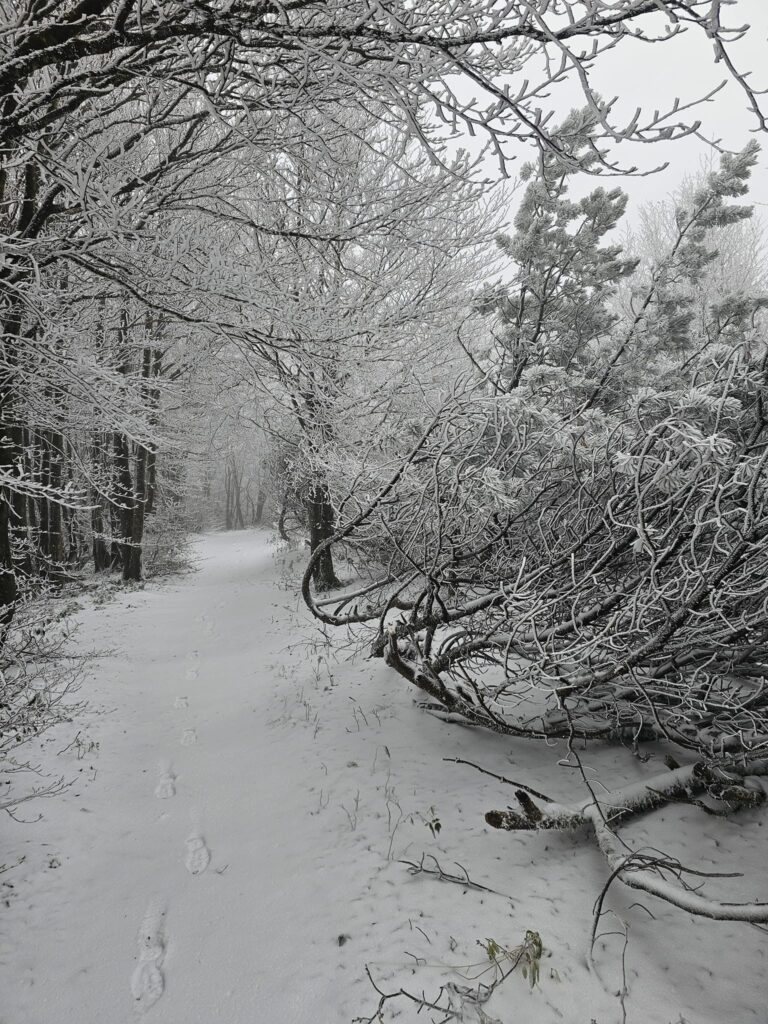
[[391, 291]]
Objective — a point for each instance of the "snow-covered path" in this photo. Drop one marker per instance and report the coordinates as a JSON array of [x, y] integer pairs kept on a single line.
[[187, 879], [230, 849]]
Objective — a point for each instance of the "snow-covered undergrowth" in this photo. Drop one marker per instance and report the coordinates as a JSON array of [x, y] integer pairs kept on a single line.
[[248, 815]]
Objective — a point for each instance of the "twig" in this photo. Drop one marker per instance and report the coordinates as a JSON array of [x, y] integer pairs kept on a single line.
[[501, 778], [446, 876]]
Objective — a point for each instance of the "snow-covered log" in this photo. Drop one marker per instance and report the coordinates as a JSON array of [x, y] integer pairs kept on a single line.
[[638, 870]]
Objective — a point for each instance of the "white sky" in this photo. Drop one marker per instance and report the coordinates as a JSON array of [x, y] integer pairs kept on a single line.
[[651, 76], [685, 68]]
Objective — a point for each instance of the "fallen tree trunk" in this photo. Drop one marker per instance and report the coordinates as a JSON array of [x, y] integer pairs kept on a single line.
[[727, 783]]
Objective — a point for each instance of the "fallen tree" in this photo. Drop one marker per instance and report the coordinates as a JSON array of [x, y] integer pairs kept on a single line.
[[734, 786], [577, 546]]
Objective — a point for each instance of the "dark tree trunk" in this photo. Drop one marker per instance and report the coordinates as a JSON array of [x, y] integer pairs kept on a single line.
[[8, 587], [11, 439], [77, 544], [134, 520], [51, 518], [228, 503], [21, 521], [124, 499], [132, 562], [151, 488], [101, 559], [30, 546], [233, 506], [115, 548], [239, 518], [22, 505], [258, 514], [100, 548], [9, 452], [282, 532], [152, 367], [321, 526], [130, 499]]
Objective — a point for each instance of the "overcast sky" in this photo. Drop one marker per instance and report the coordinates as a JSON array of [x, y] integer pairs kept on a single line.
[[684, 67], [651, 76]]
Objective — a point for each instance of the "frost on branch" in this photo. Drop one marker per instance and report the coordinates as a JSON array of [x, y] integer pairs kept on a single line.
[[654, 874], [578, 548]]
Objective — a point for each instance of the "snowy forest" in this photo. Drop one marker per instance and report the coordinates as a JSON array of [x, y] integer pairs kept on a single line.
[[383, 511]]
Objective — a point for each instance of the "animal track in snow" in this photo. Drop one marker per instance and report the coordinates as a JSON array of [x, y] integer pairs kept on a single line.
[[188, 737], [198, 855], [181, 703], [191, 673], [147, 982]]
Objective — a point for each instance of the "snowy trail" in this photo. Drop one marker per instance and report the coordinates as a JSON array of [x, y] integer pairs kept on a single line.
[[186, 881], [230, 849]]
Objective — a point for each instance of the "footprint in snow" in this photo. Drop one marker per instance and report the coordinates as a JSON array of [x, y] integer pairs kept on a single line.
[[207, 624], [147, 985], [193, 659], [198, 855], [181, 702], [188, 737], [147, 982], [165, 789], [166, 783]]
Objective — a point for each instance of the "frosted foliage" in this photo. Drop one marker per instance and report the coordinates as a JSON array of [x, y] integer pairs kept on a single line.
[[568, 530]]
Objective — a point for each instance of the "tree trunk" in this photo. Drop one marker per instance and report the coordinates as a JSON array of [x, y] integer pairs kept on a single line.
[[151, 487], [282, 532], [21, 541], [8, 588], [132, 563], [101, 559], [51, 518], [9, 446], [233, 507], [125, 500], [152, 367], [258, 514], [145, 468], [239, 518], [100, 548], [321, 526], [227, 498]]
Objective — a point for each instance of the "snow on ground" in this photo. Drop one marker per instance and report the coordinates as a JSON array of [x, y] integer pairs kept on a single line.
[[230, 848]]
